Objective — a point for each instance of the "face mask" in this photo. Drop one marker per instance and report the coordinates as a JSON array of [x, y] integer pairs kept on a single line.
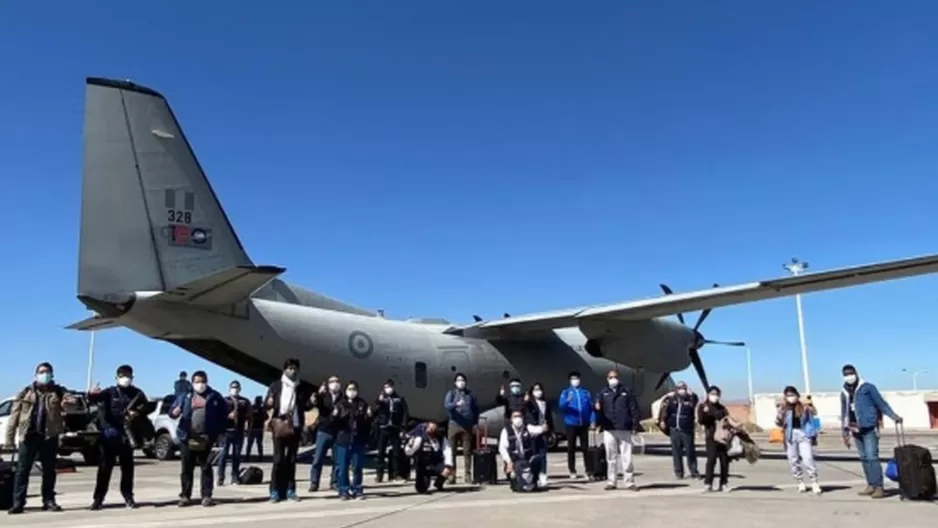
[[574, 383], [44, 377], [538, 394], [850, 378], [234, 392], [713, 398], [334, 386], [613, 382], [351, 394], [791, 399], [290, 374], [389, 390], [199, 387], [123, 381], [515, 389], [516, 421], [460, 384], [682, 392]]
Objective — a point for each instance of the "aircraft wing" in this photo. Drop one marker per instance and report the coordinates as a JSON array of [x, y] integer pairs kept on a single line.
[[94, 323], [711, 298]]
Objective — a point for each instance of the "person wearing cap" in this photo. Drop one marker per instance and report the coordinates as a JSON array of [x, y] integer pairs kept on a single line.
[[860, 406], [182, 385], [797, 421], [239, 414], [676, 418], [618, 415], [576, 404], [463, 411]]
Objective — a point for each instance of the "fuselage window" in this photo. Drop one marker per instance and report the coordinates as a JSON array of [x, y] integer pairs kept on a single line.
[[420, 375]]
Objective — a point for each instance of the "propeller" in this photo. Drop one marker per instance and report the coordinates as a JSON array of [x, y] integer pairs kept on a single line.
[[694, 351]]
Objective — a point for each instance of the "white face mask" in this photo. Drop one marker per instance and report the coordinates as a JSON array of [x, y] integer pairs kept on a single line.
[[682, 392], [713, 398], [517, 421], [123, 381], [613, 382], [199, 387], [43, 378], [234, 392], [351, 394], [574, 383], [334, 386], [460, 384], [791, 399], [515, 389], [389, 390], [538, 394], [850, 378]]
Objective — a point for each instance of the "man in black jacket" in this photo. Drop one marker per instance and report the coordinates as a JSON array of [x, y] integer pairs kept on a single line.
[[514, 400], [329, 393], [288, 399], [676, 419], [117, 406], [232, 443], [391, 417], [618, 415]]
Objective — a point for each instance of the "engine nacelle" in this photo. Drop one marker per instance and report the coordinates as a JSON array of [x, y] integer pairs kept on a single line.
[[655, 345]]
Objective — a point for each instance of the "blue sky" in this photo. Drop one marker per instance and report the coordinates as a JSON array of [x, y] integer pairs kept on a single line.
[[449, 158]]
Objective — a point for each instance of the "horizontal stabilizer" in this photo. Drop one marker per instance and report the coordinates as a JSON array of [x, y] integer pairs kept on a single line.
[[94, 323], [223, 287]]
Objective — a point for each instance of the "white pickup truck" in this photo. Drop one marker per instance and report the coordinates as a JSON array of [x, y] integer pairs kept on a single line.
[[165, 445]]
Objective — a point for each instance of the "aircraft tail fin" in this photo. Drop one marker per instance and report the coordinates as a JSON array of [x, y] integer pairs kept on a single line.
[[150, 220], [223, 287]]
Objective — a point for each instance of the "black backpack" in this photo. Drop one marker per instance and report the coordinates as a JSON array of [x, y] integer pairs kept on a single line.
[[251, 476]]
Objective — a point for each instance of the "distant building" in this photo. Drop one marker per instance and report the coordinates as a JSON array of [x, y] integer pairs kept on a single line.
[[918, 409]]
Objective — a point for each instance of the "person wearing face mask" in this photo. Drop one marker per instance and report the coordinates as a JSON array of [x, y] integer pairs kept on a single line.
[[540, 412], [618, 415], [433, 456], [117, 406], [463, 411], [329, 394], [575, 403], [514, 399], [36, 418], [796, 419], [288, 400], [391, 417], [860, 407], [712, 414], [676, 418], [256, 429], [203, 416], [517, 446], [239, 414], [352, 416]]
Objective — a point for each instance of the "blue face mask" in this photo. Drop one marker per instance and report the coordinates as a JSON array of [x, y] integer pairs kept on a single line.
[[44, 378], [515, 389]]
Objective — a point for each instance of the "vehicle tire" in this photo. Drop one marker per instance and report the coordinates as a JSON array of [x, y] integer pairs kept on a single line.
[[163, 448], [90, 456], [148, 452], [552, 440]]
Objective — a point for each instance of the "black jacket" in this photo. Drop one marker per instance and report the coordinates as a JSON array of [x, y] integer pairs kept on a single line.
[[512, 403], [386, 417], [352, 420], [533, 413], [239, 423], [678, 413], [618, 410], [303, 393], [708, 414], [325, 403], [112, 404]]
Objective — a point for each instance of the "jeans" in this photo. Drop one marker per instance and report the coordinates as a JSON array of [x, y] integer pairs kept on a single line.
[[576, 433], [114, 450], [31, 448], [867, 443], [255, 436], [349, 454], [324, 442], [619, 449], [801, 456], [231, 444], [190, 460], [682, 445]]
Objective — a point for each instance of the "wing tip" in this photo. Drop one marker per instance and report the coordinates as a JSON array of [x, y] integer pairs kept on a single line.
[[125, 85]]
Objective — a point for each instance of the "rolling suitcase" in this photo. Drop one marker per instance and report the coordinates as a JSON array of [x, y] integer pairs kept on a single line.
[[484, 466], [7, 472], [916, 472], [595, 457]]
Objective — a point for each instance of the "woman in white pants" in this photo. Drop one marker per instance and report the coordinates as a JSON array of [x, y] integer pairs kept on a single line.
[[797, 420]]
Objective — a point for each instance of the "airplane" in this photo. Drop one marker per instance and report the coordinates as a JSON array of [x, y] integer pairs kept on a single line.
[[158, 255]]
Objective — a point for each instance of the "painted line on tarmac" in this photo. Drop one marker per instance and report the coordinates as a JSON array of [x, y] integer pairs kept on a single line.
[[289, 512]]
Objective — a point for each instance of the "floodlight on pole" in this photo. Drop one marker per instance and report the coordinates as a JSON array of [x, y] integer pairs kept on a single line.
[[796, 268], [915, 374]]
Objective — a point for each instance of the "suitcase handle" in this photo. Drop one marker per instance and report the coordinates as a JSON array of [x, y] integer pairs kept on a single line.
[[482, 433], [900, 434], [594, 438]]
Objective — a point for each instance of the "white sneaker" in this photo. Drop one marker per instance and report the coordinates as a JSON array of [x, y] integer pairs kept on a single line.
[[802, 487], [707, 489], [574, 476], [542, 480], [816, 488]]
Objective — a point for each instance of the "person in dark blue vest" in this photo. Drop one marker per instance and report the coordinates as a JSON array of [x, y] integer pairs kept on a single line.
[[391, 417], [203, 415], [117, 405], [676, 419], [518, 449], [433, 456], [232, 442]]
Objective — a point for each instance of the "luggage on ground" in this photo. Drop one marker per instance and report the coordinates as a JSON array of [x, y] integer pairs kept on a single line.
[[522, 478], [403, 465], [916, 473], [484, 464], [595, 457], [251, 476], [7, 472]]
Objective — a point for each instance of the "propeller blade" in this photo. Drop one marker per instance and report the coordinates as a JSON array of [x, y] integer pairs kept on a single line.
[[664, 378], [705, 313], [725, 343], [698, 366], [667, 291]]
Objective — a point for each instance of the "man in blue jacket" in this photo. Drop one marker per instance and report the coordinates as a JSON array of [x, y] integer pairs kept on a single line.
[[618, 415], [576, 405], [676, 419], [860, 407], [203, 417], [463, 410]]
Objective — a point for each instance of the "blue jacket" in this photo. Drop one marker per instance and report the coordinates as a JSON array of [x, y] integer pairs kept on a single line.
[[216, 414], [868, 404], [618, 410], [678, 413], [807, 423], [576, 404], [466, 415]]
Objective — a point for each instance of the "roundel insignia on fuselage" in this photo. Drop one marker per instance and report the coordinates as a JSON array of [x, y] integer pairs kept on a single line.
[[360, 345]]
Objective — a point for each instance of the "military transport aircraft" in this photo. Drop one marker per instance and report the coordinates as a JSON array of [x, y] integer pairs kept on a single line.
[[158, 255]]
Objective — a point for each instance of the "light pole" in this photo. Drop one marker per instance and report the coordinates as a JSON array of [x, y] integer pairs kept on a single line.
[[796, 267], [752, 400], [915, 374], [90, 357]]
